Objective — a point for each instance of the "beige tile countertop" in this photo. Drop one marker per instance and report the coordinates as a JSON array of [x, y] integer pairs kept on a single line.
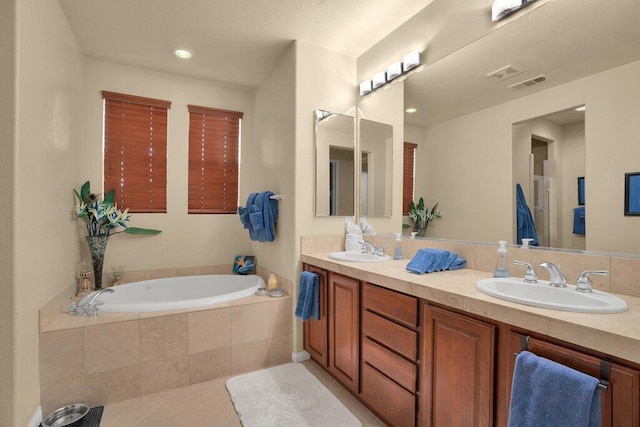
[[613, 334]]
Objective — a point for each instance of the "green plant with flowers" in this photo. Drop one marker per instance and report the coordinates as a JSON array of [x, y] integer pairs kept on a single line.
[[101, 215], [421, 215]]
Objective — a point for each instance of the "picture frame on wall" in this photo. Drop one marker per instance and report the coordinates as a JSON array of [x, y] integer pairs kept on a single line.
[[632, 194], [581, 191], [244, 264]]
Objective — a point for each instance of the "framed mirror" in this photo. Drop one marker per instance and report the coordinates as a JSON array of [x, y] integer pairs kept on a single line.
[[335, 164], [375, 147]]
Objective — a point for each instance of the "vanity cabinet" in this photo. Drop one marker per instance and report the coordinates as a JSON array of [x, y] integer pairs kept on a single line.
[[457, 369], [389, 354], [344, 330], [315, 331], [621, 398]]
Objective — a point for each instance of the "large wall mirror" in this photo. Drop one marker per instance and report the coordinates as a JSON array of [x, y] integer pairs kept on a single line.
[[479, 134], [335, 164], [375, 146]]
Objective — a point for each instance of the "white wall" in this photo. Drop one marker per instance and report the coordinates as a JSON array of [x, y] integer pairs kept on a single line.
[[48, 158], [573, 161], [469, 165], [186, 240]]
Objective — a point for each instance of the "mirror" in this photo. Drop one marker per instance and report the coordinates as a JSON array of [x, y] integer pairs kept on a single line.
[[335, 164], [376, 168], [468, 120]]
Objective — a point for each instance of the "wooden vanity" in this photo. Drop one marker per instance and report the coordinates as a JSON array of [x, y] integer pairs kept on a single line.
[[412, 353]]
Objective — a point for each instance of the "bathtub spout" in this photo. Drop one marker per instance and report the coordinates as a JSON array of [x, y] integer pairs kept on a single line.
[[90, 307]]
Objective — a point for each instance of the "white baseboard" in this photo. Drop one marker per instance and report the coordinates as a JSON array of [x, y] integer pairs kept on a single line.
[[37, 418], [300, 356]]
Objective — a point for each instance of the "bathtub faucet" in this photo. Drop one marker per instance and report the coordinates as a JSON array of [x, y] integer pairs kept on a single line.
[[90, 307]]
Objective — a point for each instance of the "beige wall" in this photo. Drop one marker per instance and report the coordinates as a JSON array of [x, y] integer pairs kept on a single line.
[[7, 226], [48, 160], [186, 240], [469, 165], [573, 157]]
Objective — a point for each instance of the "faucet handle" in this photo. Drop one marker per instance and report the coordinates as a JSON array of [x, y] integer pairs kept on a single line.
[[529, 275], [584, 284], [92, 309], [73, 307]]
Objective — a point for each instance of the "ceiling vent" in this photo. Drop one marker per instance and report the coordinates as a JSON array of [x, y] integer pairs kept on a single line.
[[531, 82], [505, 73]]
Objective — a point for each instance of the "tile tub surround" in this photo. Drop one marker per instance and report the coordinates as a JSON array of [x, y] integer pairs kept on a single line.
[[115, 357], [611, 334]]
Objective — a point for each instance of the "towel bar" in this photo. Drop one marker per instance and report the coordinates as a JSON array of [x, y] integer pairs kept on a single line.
[[276, 197], [605, 367]]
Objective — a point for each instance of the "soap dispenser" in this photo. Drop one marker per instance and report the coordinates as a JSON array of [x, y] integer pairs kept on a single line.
[[397, 252], [501, 265]]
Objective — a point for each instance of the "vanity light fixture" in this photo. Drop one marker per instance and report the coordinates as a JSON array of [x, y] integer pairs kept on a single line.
[[365, 87], [182, 53], [394, 70], [502, 8], [411, 110], [379, 79], [583, 108]]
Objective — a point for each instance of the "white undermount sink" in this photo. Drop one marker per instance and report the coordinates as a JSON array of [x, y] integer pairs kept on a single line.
[[542, 295], [357, 257]]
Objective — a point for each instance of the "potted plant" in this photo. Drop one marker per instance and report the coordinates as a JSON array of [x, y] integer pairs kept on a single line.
[[421, 216], [102, 218]]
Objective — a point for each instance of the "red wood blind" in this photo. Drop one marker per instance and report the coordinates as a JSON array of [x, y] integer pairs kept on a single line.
[[408, 174], [135, 151], [214, 144]]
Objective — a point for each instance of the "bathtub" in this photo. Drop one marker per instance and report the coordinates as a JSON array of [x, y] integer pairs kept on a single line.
[[176, 293]]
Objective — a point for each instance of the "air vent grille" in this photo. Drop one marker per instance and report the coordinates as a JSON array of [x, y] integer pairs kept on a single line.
[[505, 73], [527, 83]]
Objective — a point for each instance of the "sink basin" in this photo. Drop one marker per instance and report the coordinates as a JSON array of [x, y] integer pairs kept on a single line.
[[357, 257], [542, 295]]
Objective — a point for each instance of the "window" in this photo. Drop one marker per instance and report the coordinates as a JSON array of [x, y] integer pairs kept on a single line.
[[135, 151], [408, 176], [214, 144]]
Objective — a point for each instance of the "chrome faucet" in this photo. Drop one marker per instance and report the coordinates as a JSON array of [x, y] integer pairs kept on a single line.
[[370, 248], [90, 307], [529, 275], [584, 283], [556, 278]]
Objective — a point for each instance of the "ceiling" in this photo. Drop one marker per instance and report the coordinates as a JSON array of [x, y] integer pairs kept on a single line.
[[235, 41], [562, 39]]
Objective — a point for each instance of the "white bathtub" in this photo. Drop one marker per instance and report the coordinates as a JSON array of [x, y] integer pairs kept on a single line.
[[178, 292]]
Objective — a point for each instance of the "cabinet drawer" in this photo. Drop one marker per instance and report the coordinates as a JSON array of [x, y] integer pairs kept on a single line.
[[394, 336], [399, 307], [395, 367], [393, 403]]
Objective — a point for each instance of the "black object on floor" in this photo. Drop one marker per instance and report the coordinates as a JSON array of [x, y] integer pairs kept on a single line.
[[92, 419]]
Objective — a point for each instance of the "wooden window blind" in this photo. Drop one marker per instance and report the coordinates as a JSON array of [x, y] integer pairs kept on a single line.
[[135, 151], [214, 145], [408, 175]]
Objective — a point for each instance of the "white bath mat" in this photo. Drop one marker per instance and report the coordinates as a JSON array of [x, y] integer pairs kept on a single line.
[[287, 395]]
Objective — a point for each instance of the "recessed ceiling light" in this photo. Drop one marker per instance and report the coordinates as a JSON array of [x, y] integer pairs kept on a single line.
[[584, 107], [183, 53], [411, 110]]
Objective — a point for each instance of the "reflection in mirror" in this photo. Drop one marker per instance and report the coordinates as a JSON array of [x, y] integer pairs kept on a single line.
[[376, 148], [548, 158], [335, 164]]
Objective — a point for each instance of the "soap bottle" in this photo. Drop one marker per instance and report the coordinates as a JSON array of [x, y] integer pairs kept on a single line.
[[501, 265], [397, 252]]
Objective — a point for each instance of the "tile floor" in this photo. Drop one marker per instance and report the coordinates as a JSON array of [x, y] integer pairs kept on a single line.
[[209, 404]]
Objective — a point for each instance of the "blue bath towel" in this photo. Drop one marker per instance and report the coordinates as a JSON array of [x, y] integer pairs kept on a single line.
[[308, 304], [526, 226], [428, 260], [260, 216], [579, 220], [546, 393]]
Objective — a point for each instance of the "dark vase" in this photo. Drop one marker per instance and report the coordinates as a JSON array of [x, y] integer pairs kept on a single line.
[[97, 247], [420, 228]]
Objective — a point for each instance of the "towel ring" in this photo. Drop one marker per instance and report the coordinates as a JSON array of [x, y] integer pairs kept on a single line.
[[605, 366]]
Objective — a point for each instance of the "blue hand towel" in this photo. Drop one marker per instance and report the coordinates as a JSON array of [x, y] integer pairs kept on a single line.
[[526, 226], [579, 220], [244, 212], [260, 216], [428, 260], [449, 259], [546, 393], [458, 264], [308, 304]]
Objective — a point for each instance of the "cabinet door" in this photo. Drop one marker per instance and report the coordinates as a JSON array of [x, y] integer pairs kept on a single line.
[[315, 331], [457, 370], [344, 330], [620, 401]]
